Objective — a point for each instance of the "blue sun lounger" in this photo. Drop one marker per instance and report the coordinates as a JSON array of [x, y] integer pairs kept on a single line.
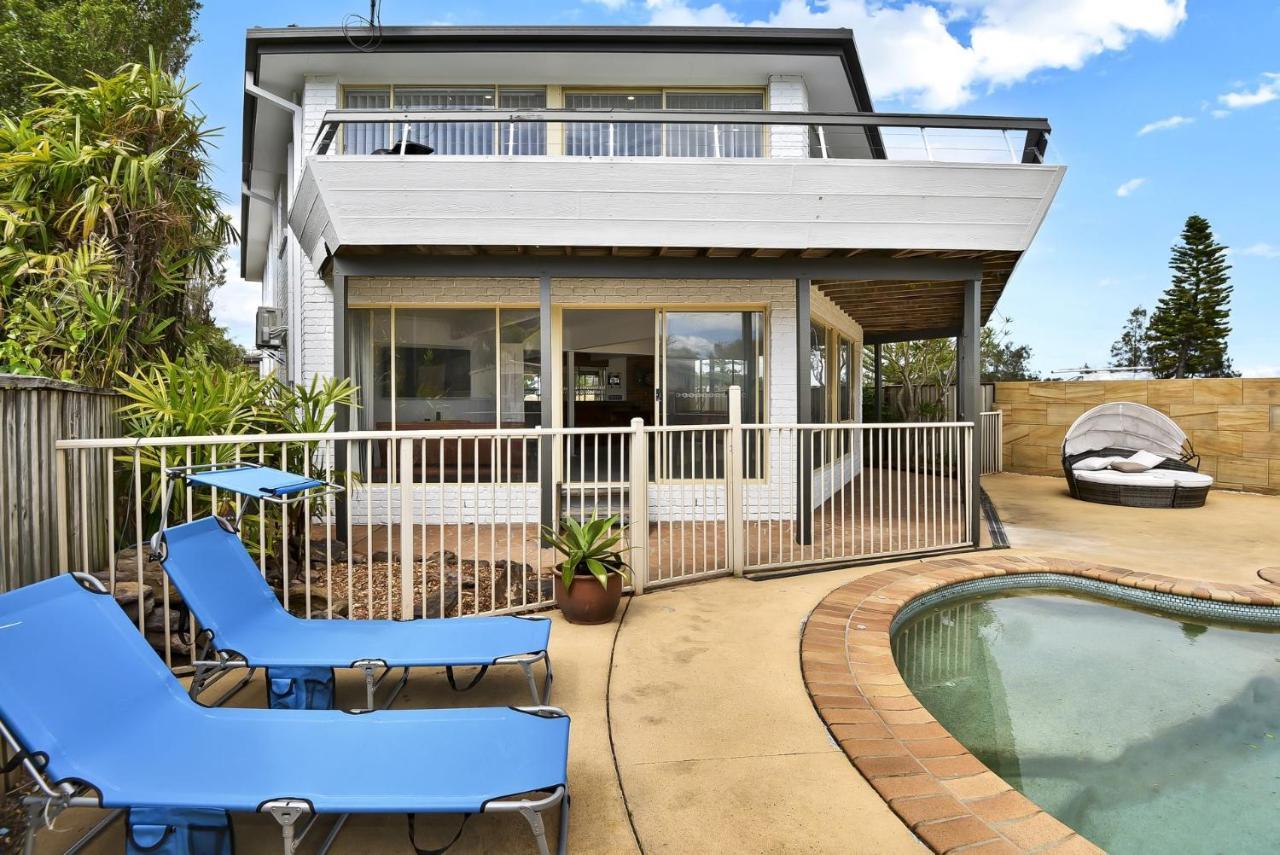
[[116, 730], [244, 625]]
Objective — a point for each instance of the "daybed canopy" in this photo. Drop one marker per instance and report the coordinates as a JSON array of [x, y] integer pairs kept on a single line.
[[1125, 425]]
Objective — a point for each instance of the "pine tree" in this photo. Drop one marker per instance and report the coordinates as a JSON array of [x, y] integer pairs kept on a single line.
[[1130, 350], [1188, 332]]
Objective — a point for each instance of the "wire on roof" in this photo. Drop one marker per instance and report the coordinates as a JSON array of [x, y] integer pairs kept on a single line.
[[364, 42]]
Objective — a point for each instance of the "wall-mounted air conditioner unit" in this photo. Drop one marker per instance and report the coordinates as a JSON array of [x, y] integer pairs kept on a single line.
[[269, 333]]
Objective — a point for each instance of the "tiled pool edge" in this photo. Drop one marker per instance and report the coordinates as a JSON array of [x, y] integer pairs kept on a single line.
[[944, 794]]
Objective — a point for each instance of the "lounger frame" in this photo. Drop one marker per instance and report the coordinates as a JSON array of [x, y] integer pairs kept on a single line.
[[289, 812], [213, 664]]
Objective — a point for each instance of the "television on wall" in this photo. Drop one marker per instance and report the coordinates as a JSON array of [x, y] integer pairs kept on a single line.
[[425, 372]]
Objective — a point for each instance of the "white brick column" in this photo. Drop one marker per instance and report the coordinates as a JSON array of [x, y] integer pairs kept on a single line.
[[313, 320], [788, 93]]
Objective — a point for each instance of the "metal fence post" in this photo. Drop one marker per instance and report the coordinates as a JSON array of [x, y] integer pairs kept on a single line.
[[406, 529], [639, 498], [733, 472], [60, 479]]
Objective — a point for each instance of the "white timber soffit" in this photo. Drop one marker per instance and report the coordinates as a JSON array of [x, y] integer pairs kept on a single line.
[[389, 201]]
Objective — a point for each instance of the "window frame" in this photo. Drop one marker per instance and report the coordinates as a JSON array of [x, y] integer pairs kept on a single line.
[[390, 90]]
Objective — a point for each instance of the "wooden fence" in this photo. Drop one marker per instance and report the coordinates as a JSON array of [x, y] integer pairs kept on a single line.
[[931, 395], [36, 412]]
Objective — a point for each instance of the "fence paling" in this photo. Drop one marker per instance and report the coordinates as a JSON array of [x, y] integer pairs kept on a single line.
[[444, 523], [992, 440], [877, 491]]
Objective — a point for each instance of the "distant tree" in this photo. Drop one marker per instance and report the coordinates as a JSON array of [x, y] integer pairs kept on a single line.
[[1130, 350], [1001, 358], [914, 365], [1189, 327], [70, 38], [920, 366]]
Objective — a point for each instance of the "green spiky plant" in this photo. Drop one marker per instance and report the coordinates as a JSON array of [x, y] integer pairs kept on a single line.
[[193, 396], [590, 547]]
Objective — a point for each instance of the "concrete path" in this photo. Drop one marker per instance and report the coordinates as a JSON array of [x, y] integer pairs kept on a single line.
[[719, 748], [1228, 540]]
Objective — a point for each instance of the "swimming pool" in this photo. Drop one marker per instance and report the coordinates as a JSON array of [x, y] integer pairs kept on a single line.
[[1141, 731]]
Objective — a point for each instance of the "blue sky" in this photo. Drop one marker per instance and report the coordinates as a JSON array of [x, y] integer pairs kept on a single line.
[[1160, 109]]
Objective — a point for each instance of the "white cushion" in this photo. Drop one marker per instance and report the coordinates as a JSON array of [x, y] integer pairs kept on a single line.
[[1131, 479], [1093, 464], [1183, 479], [1139, 461], [1153, 478]]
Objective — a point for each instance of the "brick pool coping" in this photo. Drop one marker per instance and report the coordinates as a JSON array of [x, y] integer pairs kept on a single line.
[[944, 794]]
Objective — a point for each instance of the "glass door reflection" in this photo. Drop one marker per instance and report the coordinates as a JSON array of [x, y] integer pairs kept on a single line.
[[704, 353]]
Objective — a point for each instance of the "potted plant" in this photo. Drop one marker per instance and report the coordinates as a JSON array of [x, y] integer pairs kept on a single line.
[[589, 584]]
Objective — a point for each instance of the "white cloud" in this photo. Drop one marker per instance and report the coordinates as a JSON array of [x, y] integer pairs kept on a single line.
[[1221, 114], [1165, 124], [613, 5], [911, 53], [1262, 250], [1129, 186], [1261, 371], [676, 13], [235, 304], [1267, 90]]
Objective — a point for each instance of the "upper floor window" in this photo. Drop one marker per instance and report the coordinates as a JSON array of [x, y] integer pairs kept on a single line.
[[447, 138], [724, 139], [617, 138], [582, 138], [630, 139]]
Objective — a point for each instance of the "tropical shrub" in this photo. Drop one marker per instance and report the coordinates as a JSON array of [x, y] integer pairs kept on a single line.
[[194, 396], [107, 218]]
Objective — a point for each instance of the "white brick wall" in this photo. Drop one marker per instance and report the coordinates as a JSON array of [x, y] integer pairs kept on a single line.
[[788, 93], [315, 298], [319, 93]]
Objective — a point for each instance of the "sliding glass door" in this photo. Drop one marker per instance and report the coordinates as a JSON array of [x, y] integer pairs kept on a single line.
[[703, 354]]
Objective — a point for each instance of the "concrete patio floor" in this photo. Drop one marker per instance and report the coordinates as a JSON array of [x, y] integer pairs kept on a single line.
[[1228, 540], [692, 729]]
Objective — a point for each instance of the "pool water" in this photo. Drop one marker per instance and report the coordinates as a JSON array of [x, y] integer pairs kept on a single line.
[[1142, 732]]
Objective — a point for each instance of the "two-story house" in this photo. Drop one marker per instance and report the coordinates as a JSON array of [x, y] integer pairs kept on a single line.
[[502, 227]]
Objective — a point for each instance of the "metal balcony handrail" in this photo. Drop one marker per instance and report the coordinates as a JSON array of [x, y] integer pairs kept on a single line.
[[697, 117], [1037, 129]]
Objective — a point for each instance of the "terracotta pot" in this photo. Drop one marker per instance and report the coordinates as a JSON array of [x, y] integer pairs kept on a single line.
[[587, 601]]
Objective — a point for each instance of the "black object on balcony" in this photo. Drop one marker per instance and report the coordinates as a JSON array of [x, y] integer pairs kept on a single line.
[[405, 147]]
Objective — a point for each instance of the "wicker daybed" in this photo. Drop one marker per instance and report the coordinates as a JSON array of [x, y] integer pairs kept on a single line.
[[1114, 432]]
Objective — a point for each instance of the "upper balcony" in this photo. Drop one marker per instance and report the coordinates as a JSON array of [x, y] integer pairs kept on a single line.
[[673, 181]]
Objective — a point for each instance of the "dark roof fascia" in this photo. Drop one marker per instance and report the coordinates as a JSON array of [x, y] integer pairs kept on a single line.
[[260, 41]]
